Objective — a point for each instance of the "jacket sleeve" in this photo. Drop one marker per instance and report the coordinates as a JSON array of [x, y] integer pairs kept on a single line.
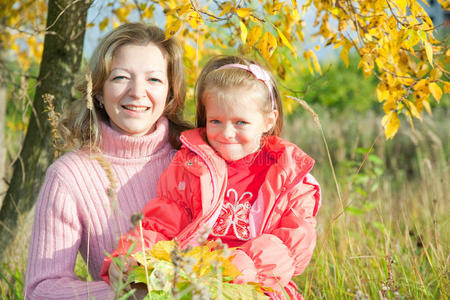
[[54, 245], [163, 217], [273, 258]]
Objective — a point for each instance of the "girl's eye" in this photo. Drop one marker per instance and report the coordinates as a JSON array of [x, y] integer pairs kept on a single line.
[[214, 121]]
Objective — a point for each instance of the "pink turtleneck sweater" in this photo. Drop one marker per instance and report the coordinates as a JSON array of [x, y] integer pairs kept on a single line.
[[73, 212]]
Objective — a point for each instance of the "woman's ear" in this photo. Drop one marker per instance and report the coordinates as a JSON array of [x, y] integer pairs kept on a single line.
[[271, 120], [98, 101]]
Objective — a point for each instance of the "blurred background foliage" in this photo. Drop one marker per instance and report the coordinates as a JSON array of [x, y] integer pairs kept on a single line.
[[383, 232]]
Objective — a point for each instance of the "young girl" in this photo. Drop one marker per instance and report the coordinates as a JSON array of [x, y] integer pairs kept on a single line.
[[235, 175]]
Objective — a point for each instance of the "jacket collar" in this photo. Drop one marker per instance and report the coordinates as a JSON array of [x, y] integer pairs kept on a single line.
[[290, 159]]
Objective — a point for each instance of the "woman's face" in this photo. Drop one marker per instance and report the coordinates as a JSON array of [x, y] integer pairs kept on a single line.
[[135, 92]]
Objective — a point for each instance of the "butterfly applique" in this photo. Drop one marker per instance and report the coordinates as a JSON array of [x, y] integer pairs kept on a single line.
[[234, 214]]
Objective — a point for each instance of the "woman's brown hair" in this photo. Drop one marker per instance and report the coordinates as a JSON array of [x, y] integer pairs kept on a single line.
[[81, 128]]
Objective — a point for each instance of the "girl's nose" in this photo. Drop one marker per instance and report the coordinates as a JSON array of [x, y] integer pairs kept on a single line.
[[228, 131], [137, 89]]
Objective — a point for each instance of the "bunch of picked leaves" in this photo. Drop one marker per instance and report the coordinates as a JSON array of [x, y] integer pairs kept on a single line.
[[201, 272]]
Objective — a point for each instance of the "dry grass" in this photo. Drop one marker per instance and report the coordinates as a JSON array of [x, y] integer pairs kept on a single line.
[[392, 240]]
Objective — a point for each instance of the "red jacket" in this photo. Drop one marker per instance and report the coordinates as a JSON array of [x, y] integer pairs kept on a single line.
[[282, 218]]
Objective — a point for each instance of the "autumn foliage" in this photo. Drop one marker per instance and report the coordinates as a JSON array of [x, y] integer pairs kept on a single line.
[[395, 39]]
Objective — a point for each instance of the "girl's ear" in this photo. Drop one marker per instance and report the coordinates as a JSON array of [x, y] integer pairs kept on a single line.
[[271, 120]]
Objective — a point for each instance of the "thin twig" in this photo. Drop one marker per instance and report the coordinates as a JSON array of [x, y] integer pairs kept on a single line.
[[145, 258], [61, 13]]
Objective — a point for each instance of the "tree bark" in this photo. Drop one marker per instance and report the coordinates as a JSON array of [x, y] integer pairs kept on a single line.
[[2, 140], [61, 59]]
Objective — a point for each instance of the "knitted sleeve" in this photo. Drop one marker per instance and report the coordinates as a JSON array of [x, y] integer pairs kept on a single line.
[[55, 241]]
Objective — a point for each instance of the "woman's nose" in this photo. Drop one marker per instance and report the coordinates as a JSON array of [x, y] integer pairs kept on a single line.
[[137, 89]]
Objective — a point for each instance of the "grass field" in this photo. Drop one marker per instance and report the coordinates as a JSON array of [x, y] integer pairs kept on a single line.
[[383, 228], [391, 240]]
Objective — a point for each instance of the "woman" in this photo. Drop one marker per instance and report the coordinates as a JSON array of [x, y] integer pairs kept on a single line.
[[126, 128]]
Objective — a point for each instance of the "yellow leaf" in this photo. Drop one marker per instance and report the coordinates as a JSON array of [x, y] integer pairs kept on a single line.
[[194, 19], [226, 7], [406, 81], [435, 74], [173, 28], [190, 52], [244, 12], [285, 41], [122, 14], [267, 45], [445, 4], [229, 269], [382, 93], [429, 51], [162, 249], [148, 12], [412, 109], [389, 105], [103, 24], [183, 9], [413, 39], [146, 260], [275, 7], [422, 69], [447, 87], [391, 124], [435, 91], [423, 83], [344, 56], [312, 56], [244, 31], [427, 106], [254, 35], [295, 15], [294, 4], [402, 5]]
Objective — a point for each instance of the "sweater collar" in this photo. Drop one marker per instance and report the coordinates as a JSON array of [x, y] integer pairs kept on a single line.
[[124, 146]]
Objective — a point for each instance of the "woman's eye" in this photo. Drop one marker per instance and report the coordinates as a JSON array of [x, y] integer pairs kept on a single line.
[[119, 77], [241, 123], [154, 79]]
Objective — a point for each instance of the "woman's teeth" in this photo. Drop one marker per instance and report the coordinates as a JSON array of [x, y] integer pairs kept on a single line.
[[136, 108]]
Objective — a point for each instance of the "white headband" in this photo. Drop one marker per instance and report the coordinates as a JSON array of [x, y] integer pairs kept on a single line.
[[259, 73]]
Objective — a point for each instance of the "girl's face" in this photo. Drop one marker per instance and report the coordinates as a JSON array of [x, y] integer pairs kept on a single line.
[[135, 92], [235, 121]]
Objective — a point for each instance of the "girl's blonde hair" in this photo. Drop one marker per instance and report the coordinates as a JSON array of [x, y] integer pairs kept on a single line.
[[212, 78], [82, 126]]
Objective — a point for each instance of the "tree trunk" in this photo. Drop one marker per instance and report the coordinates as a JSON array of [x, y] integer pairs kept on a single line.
[[2, 141], [61, 59]]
